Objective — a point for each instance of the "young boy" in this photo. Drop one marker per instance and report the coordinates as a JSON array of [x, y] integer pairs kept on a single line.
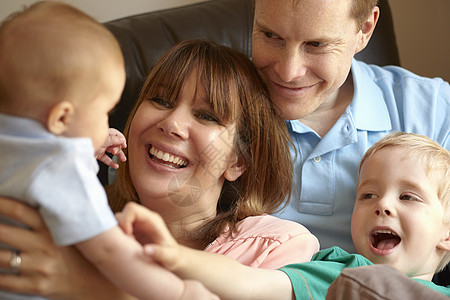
[[61, 72], [401, 219]]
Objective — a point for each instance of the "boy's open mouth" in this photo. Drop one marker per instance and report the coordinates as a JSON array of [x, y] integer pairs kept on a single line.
[[384, 239], [167, 158]]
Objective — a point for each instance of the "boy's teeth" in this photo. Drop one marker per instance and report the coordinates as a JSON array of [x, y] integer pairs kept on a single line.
[[167, 157], [384, 231]]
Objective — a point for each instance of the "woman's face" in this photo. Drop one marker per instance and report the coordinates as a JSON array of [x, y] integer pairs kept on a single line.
[[180, 153]]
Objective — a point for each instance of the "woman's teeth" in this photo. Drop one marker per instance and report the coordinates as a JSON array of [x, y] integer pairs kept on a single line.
[[167, 157]]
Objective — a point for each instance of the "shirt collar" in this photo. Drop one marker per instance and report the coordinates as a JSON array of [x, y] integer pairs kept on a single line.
[[368, 106]]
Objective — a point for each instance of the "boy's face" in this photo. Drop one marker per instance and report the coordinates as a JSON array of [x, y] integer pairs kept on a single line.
[[398, 217], [90, 117]]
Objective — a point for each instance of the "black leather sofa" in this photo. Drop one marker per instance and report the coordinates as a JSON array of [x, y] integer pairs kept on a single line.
[[145, 37]]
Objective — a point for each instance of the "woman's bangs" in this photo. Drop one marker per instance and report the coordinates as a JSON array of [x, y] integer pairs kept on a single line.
[[221, 88]]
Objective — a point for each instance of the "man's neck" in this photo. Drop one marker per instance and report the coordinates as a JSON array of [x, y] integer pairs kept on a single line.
[[327, 114]]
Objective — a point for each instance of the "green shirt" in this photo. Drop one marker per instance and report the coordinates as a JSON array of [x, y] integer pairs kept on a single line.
[[311, 280]]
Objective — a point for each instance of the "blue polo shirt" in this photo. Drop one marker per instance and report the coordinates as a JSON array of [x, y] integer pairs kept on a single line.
[[385, 99]]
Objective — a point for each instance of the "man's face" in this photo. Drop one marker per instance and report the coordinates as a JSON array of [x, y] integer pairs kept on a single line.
[[303, 52]]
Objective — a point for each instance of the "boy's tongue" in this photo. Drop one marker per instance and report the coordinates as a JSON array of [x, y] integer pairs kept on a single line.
[[387, 244]]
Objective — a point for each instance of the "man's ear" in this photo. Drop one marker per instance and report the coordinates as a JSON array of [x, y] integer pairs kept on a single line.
[[235, 170], [60, 117], [367, 29]]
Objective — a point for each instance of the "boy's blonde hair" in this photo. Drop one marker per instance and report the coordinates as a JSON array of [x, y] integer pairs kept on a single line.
[[52, 52], [433, 155]]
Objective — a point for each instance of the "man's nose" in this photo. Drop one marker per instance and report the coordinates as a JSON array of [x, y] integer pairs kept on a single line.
[[290, 65]]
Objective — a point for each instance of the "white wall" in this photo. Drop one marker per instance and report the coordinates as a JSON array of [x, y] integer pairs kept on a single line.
[[102, 10], [422, 27]]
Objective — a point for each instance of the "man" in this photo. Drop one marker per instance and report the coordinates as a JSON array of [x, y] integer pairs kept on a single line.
[[336, 107]]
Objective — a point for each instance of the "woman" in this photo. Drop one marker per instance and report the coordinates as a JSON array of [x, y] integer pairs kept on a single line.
[[207, 152]]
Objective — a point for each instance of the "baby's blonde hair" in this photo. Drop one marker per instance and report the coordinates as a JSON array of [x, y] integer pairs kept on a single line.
[[433, 155]]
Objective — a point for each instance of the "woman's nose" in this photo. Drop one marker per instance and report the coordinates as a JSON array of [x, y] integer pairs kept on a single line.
[[290, 65], [176, 123]]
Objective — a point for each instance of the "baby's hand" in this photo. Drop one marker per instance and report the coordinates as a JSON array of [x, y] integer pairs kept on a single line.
[[114, 144], [149, 228]]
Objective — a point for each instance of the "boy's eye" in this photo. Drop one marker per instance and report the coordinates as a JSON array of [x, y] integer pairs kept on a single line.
[[408, 197], [160, 102], [368, 196]]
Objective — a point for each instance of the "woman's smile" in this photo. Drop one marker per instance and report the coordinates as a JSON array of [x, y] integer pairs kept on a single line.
[[166, 158]]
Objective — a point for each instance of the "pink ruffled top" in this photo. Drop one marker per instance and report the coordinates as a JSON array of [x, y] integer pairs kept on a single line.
[[267, 242]]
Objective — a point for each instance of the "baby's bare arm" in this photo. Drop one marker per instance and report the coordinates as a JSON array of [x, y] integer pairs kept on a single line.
[[120, 258], [230, 279], [222, 275]]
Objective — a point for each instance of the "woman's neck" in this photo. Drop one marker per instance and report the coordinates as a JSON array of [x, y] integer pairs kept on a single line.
[[184, 227]]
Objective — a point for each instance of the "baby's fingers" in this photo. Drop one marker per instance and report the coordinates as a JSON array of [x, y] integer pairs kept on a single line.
[[120, 155], [166, 256], [108, 161], [116, 138], [125, 222]]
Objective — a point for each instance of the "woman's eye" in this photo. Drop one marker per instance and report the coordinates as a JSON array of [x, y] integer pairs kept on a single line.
[[207, 116], [160, 102]]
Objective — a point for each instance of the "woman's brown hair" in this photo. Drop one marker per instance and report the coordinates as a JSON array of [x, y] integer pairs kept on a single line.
[[236, 93]]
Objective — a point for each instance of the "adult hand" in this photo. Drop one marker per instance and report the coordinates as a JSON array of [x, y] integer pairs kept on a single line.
[[114, 144], [46, 269]]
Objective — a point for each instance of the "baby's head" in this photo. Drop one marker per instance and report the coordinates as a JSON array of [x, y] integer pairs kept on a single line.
[[401, 215], [57, 65]]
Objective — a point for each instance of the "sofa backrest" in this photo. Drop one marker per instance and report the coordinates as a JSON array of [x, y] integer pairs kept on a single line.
[[146, 37]]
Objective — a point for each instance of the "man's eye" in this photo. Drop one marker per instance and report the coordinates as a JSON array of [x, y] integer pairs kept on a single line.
[[316, 44], [271, 35], [160, 102]]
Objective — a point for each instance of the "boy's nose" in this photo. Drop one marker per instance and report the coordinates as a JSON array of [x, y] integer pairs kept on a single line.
[[385, 211], [384, 206]]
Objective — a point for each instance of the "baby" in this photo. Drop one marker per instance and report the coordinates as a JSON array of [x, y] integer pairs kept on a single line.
[[61, 73]]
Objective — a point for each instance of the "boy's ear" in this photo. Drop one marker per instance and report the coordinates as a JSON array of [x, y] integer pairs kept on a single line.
[[60, 117], [235, 170], [444, 244]]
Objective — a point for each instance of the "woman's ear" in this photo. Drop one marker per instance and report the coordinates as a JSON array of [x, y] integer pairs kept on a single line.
[[60, 117], [235, 170]]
